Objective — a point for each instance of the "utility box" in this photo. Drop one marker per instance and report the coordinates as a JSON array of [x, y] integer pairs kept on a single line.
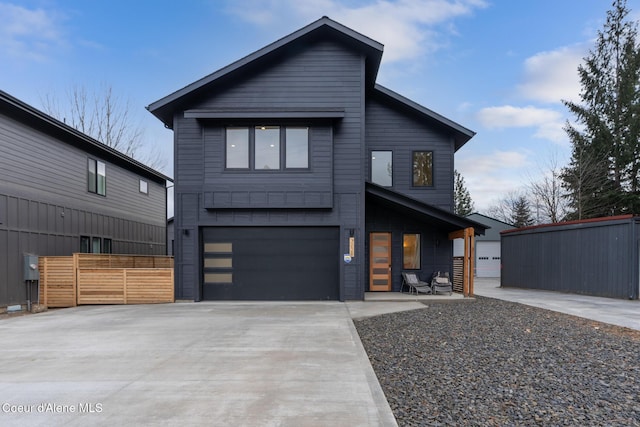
[[31, 270]]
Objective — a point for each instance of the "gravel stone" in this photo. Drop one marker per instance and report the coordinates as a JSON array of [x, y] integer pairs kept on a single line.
[[498, 363]]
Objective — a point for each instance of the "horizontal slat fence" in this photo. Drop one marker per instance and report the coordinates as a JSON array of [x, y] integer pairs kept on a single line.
[[57, 281], [458, 274], [105, 279]]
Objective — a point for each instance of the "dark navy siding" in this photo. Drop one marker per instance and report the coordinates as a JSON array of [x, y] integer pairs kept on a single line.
[[599, 259], [436, 248], [324, 75], [391, 129], [45, 206]]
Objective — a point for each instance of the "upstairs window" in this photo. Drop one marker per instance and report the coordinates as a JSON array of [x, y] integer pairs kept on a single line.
[[267, 148], [97, 177], [144, 187], [237, 148], [423, 168], [382, 168]]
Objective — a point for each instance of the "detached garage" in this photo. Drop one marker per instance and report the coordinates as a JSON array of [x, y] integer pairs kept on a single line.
[[270, 263], [598, 257]]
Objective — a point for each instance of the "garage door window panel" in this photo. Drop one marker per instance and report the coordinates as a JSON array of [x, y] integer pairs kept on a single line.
[[218, 263]]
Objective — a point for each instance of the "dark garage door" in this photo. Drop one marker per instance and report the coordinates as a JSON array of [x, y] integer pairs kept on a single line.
[[270, 263]]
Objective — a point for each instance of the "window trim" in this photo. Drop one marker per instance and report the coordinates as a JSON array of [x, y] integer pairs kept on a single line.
[[419, 244], [413, 183], [93, 176], [371, 167], [146, 187], [282, 149]]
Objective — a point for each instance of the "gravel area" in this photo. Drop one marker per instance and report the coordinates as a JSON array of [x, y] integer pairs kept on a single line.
[[498, 363]]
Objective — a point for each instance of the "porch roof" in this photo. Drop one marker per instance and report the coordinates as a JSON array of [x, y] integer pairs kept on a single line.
[[423, 211]]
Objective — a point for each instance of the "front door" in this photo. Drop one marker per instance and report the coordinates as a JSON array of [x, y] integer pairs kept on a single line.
[[380, 262]]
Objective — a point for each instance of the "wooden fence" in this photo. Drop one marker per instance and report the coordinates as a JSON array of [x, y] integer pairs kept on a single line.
[[458, 274], [105, 279]]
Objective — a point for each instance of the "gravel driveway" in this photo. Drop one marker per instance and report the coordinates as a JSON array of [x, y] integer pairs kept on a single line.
[[500, 363]]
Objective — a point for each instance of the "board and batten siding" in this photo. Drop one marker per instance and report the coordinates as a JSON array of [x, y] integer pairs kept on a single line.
[[391, 130], [45, 205], [592, 258], [323, 75]]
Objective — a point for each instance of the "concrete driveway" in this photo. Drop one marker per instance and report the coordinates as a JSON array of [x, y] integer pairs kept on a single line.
[[220, 364], [614, 311]]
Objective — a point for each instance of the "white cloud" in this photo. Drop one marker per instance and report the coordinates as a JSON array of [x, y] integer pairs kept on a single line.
[[489, 176], [552, 76], [508, 116], [405, 27], [28, 33]]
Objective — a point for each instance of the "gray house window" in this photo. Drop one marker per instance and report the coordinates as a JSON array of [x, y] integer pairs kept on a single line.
[[423, 168], [97, 177], [297, 148], [96, 245], [84, 244], [382, 168], [144, 186], [237, 148], [267, 147], [106, 246]]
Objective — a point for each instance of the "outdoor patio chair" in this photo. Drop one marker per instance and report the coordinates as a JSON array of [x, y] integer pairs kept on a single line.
[[440, 282], [411, 281]]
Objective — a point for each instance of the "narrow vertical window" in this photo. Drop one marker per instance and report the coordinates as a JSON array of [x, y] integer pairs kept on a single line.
[[106, 246], [144, 186], [297, 148], [91, 175], [84, 244], [423, 168], [96, 245], [237, 148], [411, 251], [382, 168], [102, 179], [267, 148]]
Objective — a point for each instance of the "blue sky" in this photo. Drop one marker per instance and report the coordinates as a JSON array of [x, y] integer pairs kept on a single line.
[[498, 67]]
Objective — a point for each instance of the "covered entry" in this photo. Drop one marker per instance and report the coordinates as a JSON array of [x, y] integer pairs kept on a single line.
[[270, 263]]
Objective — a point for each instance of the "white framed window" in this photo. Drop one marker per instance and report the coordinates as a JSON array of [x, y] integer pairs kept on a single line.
[[144, 186]]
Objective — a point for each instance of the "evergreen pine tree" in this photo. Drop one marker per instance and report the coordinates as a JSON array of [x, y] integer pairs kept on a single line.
[[521, 213], [602, 176], [463, 205]]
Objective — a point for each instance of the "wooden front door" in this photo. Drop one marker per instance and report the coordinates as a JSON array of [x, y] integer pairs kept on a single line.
[[380, 262]]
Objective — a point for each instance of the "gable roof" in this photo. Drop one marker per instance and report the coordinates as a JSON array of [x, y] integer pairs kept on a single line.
[[446, 220], [461, 133], [324, 27], [32, 117]]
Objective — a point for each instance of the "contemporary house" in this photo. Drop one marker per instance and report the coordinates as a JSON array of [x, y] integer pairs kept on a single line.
[[63, 192], [599, 257], [487, 250], [297, 177]]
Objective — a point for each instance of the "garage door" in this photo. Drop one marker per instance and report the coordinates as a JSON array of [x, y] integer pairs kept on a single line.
[[488, 259], [270, 263]]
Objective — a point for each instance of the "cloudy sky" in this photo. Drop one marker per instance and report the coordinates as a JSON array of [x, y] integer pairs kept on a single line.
[[498, 67]]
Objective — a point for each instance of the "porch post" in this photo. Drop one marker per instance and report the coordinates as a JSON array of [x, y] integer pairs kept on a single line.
[[468, 234]]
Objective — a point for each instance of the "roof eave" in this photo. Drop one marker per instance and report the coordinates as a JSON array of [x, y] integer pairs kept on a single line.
[[461, 134], [53, 123], [162, 108]]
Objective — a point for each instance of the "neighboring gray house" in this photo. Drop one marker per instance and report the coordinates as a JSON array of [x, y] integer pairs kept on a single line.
[[597, 257], [63, 192], [298, 177], [487, 250]]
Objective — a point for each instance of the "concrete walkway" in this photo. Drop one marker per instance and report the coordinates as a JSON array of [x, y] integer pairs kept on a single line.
[[213, 364], [608, 310]]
